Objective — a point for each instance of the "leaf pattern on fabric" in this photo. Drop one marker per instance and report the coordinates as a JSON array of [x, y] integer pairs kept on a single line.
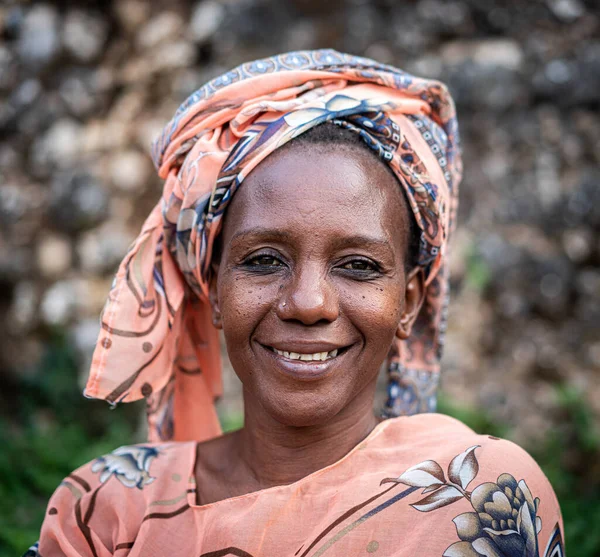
[[504, 522], [439, 498], [426, 474], [463, 468]]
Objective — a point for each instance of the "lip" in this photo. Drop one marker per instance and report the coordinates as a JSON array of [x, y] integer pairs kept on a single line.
[[305, 347], [302, 370]]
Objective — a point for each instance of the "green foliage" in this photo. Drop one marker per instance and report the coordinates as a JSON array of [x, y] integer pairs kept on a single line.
[[476, 419], [33, 463], [46, 430], [570, 457], [231, 421], [477, 272]]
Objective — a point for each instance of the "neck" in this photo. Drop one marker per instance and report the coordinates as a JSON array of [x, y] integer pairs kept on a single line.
[[278, 454]]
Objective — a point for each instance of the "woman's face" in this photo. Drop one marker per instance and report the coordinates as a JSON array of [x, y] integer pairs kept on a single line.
[[311, 286]]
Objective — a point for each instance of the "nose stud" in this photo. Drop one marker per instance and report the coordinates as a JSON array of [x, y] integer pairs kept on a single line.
[[283, 304]]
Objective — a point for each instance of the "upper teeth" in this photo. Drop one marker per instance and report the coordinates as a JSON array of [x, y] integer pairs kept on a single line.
[[317, 356]]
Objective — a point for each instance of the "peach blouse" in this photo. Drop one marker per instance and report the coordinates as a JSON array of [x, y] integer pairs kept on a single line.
[[421, 485]]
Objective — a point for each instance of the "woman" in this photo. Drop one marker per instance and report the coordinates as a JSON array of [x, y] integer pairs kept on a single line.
[[306, 211]]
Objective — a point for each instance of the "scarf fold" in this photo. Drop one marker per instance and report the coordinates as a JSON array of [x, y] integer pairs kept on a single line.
[[157, 340]]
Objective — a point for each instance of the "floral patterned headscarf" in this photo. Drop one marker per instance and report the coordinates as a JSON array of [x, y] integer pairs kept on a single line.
[[157, 340]]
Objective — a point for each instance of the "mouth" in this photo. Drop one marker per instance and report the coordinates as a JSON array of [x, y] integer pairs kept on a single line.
[[306, 366], [314, 357]]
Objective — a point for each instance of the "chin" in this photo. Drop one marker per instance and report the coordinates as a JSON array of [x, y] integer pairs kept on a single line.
[[303, 409]]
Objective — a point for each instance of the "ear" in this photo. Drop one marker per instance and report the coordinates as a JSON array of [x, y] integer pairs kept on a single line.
[[413, 301], [213, 297]]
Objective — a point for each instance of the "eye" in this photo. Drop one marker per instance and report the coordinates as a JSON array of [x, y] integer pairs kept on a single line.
[[360, 268], [263, 262], [360, 265]]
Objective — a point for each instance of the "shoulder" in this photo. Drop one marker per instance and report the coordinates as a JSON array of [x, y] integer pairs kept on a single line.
[[462, 457], [137, 471], [490, 490], [444, 437], [453, 441], [108, 497], [137, 466]]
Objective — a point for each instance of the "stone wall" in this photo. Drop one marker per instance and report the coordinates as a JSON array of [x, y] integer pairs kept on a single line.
[[84, 88]]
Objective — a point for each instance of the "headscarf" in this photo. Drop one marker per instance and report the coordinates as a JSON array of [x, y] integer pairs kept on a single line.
[[157, 340]]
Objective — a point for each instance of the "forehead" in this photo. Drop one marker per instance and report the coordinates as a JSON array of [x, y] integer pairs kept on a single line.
[[323, 190]]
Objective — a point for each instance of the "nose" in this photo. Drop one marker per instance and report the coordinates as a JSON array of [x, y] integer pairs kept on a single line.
[[309, 297]]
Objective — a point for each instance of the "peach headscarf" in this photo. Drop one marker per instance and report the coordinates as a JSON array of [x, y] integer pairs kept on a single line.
[[157, 340]]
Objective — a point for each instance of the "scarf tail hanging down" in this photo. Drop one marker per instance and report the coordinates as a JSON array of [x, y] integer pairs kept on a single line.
[[157, 341]]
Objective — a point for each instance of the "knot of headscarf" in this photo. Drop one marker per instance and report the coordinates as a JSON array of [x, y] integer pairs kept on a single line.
[[157, 340]]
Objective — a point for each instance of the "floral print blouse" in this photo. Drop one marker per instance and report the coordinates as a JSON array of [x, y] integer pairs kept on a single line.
[[421, 485]]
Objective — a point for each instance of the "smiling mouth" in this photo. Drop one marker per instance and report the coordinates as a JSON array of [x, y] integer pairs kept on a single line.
[[314, 357]]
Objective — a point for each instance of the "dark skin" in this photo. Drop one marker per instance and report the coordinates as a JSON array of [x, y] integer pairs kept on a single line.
[[313, 262]]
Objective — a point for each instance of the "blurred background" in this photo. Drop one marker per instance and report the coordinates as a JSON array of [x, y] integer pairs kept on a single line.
[[84, 88]]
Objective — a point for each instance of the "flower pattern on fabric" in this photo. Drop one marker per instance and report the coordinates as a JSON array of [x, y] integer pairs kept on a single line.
[[130, 465], [504, 522], [505, 517]]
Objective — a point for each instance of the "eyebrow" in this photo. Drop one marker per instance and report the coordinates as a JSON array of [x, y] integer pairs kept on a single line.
[[356, 240], [361, 241], [261, 232]]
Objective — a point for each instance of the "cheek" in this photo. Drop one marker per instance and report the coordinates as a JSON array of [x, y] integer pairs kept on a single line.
[[375, 309], [242, 298], [244, 302]]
